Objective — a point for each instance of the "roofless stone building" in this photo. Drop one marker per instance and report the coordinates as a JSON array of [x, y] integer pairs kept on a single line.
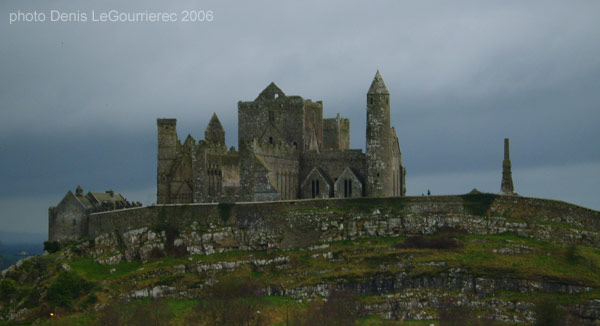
[[287, 150]]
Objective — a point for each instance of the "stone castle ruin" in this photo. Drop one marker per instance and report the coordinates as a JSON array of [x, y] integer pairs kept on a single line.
[[287, 150], [69, 219]]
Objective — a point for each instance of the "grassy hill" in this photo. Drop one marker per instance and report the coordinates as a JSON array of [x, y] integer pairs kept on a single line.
[[374, 273], [455, 268]]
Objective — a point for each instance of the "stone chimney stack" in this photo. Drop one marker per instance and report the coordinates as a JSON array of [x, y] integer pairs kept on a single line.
[[507, 184]]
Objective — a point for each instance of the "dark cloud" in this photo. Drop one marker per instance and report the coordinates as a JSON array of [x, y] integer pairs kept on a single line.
[[79, 100]]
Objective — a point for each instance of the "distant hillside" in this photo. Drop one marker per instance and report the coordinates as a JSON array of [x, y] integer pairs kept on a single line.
[[467, 260], [18, 245]]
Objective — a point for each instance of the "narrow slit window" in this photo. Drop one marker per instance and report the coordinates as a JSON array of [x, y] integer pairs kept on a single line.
[[345, 188], [350, 188]]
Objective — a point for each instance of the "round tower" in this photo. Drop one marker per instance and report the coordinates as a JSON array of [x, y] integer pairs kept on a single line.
[[379, 151]]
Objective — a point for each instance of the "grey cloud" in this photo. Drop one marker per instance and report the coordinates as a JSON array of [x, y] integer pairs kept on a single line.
[[79, 100]]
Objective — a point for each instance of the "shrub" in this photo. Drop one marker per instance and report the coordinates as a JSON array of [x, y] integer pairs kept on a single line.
[[232, 301], [340, 309], [67, 287], [52, 246], [156, 313], [478, 204], [548, 313], [451, 314], [572, 254], [225, 210], [90, 300], [109, 316], [450, 231], [8, 288], [33, 298]]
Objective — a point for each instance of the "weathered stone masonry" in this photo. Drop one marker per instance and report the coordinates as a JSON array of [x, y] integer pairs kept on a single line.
[[207, 228], [287, 150]]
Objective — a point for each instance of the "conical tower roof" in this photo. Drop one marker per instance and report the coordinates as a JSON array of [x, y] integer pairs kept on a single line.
[[214, 123], [214, 131], [378, 86]]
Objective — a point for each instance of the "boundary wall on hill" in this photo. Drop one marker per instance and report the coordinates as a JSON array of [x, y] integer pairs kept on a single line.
[[206, 228]]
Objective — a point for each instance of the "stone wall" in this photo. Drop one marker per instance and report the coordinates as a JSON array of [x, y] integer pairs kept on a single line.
[[208, 228]]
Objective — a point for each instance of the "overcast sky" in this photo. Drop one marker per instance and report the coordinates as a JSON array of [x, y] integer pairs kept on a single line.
[[79, 100]]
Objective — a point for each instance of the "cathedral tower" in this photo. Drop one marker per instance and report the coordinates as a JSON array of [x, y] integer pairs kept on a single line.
[[167, 153], [379, 154]]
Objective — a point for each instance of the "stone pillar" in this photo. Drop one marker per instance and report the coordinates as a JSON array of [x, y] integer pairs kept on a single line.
[[507, 184]]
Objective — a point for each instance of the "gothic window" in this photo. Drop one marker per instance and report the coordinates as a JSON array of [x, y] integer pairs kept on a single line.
[[349, 188], [313, 188], [371, 99], [317, 184], [295, 144], [74, 222], [271, 140]]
